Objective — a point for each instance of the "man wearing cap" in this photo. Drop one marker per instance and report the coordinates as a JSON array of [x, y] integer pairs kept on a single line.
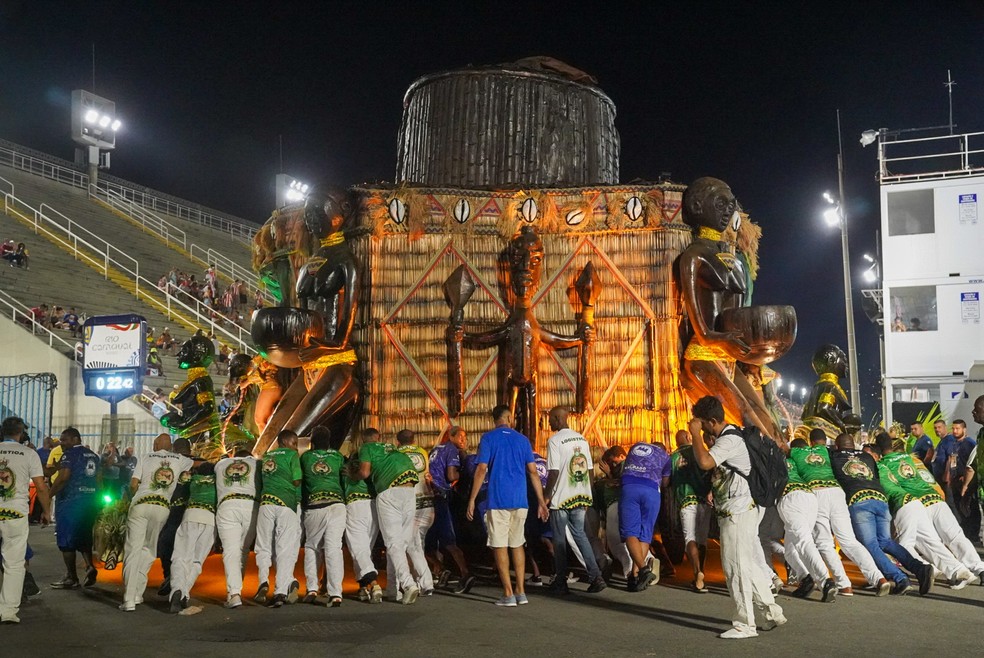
[[19, 467], [77, 492]]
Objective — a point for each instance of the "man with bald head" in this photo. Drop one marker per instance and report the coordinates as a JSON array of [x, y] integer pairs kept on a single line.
[[568, 495], [444, 464], [975, 466], [154, 481], [278, 528]]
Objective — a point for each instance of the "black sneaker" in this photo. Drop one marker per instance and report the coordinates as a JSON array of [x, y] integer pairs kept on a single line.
[[632, 582], [90, 577], [165, 588], [806, 587], [177, 602], [901, 588], [30, 586], [293, 592], [829, 590], [598, 585], [927, 578], [261, 593], [442, 579], [465, 585], [558, 586], [278, 601]]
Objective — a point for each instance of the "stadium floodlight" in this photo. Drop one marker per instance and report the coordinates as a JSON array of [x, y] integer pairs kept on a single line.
[[832, 216], [104, 121], [869, 137], [116, 125], [91, 116]]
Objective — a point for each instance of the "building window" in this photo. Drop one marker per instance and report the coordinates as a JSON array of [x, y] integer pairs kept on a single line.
[[911, 212], [913, 308]]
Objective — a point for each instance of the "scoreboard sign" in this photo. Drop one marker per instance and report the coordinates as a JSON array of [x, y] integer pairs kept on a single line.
[[115, 356]]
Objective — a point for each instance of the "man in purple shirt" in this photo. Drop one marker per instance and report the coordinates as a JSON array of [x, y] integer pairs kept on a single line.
[[645, 471], [445, 469]]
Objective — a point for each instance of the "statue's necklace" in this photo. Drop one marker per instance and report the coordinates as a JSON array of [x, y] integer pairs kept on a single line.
[[724, 254]]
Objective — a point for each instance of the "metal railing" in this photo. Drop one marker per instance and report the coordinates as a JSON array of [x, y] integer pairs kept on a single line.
[[20, 314], [230, 269], [52, 168], [104, 257], [170, 233], [11, 190], [929, 157]]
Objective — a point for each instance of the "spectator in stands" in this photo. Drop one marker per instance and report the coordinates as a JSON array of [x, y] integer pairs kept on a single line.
[[70, 322], [211, 276], [162, 283], [19, 257], [155, 366], [40, 314], [7, 248], [241, 297], [159, 408], [55, 316], [165, 341], [258, 302]]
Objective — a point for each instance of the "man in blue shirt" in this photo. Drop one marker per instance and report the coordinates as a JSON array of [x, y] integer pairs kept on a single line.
[[76, 490], [444, 464], [922, 445], [943, 449], [506, 457]]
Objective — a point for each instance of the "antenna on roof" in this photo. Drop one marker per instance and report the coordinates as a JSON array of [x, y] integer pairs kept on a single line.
[[93, 67], [949, 92]]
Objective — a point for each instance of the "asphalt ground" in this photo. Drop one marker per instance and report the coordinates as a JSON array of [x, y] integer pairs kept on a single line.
[[666, 619]]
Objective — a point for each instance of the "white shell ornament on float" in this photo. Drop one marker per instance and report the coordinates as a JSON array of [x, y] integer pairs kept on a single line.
[[461, 211], [736, 221], [574, 217], [633, 208], [529, 211], [397, 210]]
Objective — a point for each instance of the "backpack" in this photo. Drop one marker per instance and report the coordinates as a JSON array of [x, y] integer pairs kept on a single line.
[[769, 475]]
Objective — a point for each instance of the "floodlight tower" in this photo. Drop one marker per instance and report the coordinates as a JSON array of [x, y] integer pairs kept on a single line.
[[94, 128], [290, 190]]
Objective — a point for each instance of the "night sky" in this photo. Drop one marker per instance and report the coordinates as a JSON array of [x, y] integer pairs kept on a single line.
[[732, 90]]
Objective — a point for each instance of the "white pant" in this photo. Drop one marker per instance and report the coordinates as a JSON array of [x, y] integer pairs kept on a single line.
[[834, 518], [323, 531], [916, 534], [361, 530], [143, 526], [695, 521], [771, 532], [953, 537], [13, 533], [278, 532], [616, 546], [798, 510], [192, 544], [422, 521], [395, 508], [235, 522], [748, 586]]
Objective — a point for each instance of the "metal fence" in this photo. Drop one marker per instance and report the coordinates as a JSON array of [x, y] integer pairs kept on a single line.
[[31, 397]]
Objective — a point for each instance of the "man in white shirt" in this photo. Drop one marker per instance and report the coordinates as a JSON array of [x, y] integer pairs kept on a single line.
[[568, 495], [19, 466], [738, 518], [235, 518], [153, 484]]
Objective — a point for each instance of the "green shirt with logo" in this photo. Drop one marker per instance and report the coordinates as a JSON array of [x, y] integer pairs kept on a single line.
[[690, 484], [355, 489], [813, 466], [322, 480], [903, 481], [280, 468], [202, 494], [389, 467], [795, 482], [417, 455]]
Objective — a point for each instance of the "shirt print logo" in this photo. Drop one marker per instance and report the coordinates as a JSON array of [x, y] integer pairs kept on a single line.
[[418, 461], [163, 477], [321, 467], [577, 469], [642, 450], [7, 481], [236, 472], [815, 459], [269, 466], [906, 470], [856, 468]]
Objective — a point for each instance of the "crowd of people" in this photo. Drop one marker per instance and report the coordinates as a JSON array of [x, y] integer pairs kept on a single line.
[[52, 316], [229, 304], [427, 506]]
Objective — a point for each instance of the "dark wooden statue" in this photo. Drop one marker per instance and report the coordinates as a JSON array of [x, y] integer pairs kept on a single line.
[[828, 407], [316, 336], [713, 283], [518, 339], [196, 397]]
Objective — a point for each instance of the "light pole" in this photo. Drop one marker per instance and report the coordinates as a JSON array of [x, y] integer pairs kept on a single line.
[[837, 215]]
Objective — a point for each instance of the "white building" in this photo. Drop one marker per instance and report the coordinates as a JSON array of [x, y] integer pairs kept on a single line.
[[932, 228]]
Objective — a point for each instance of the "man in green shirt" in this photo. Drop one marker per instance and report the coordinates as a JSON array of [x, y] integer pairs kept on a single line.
[[424, 516], [833, 517], [361, 525], [196, 534], [278, 528], [323, 500], [392, 475], [690, 489]]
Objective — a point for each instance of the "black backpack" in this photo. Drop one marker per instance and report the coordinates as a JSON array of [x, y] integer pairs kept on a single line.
[[769, 475]]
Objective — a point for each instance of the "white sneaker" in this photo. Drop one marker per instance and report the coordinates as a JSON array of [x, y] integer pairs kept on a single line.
[[962, 579], [10, 619], [736, 633], [363, 594], [410, 596], [127, 607], [233, 601]]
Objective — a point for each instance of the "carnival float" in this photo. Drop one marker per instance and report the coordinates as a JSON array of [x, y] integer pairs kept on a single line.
[[508, 264]]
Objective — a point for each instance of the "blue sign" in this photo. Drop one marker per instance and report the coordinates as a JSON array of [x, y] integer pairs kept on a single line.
[[114, 356]]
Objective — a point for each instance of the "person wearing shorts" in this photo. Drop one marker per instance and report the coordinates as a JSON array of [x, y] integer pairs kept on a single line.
[[645, 471], [506, 457], [690, 489]]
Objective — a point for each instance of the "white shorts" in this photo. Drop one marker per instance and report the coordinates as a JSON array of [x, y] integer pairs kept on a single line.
[[695, 521], [506, 527]]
